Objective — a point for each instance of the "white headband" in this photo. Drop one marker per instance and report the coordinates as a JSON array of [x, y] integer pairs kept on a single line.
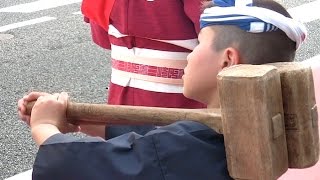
[[253, 19]]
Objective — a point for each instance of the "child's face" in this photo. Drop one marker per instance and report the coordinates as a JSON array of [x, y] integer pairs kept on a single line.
[[203, 66]]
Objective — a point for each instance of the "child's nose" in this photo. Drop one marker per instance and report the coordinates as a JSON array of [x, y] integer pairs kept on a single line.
[[189, 56]]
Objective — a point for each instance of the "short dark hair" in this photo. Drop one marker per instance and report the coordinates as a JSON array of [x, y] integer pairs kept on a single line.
[[256, 48]]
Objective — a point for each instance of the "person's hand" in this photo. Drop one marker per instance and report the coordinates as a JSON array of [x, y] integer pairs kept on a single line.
[[51, 109], [33, 96]]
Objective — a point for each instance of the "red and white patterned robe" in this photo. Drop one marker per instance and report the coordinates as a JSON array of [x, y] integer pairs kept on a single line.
[[149, 42]]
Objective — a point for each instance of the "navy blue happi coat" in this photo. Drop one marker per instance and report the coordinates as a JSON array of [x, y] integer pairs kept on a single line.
[[185, 150]]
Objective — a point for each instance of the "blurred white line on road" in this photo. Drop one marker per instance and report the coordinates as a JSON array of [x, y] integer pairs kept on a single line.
[[306, 12], [27, 175], [26, 23], [77, 13], [38, 6], [313, 61]]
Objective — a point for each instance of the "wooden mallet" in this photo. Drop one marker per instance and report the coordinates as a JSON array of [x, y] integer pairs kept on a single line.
[[251, 118]]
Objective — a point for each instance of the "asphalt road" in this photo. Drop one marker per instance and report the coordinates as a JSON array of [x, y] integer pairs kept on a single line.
[[55, 56]]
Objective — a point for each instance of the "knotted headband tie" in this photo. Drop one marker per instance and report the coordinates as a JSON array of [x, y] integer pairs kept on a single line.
[[252, 19]]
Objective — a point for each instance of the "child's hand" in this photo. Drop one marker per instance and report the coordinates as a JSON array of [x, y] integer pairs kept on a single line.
[[51, 109], [24, 101]]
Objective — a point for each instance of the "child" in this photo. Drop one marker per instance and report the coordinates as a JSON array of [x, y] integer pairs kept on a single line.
[[182, 150]]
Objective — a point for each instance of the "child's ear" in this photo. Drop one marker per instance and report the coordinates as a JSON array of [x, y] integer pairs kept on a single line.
[[231, 57]]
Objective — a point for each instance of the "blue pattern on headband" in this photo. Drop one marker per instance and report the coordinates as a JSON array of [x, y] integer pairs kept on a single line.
[[227, 3], [242, 14], [244, 22], [224, 3]]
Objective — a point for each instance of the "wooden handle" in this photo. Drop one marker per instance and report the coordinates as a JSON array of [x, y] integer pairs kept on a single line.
[[84, 113]]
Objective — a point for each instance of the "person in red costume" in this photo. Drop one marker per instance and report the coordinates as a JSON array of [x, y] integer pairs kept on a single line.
[[149, 42]]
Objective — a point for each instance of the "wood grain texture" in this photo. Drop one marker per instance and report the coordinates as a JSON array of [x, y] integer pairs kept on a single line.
[[300, 114], [251, 110], [84, 113]]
